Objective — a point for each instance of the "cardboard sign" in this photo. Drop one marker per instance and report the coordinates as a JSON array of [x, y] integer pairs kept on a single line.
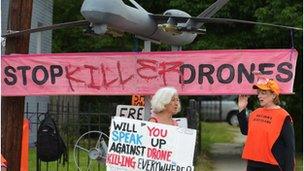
[[137, 112], [182, 122], [140, 145], [131, 112]]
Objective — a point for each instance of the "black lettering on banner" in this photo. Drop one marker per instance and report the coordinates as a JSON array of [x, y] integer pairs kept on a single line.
[[192, 73], [249, 75], [45, 74], [23, 71], [10, 74], [56, 71], [263, 66], [202, 73], [281, 69], [220, 73]]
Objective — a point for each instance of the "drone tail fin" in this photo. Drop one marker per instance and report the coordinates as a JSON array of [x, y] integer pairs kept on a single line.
[[138, 6], [212, 9]]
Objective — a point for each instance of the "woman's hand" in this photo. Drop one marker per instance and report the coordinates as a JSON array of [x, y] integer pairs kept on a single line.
[[242, 102]]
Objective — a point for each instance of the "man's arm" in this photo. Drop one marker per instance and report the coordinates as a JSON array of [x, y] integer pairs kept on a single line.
[[289, 139], [243, 122]]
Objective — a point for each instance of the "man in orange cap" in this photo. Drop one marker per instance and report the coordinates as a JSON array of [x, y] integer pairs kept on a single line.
[[270, 144]]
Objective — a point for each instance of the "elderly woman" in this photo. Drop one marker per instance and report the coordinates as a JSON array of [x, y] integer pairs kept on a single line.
[[165, 103], [270, 144]]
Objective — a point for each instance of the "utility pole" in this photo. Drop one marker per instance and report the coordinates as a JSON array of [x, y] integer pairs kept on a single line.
[[12, 108]]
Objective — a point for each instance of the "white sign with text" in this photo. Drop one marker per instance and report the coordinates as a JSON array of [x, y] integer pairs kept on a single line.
[[140, 145], [132, 112], [137, 112]]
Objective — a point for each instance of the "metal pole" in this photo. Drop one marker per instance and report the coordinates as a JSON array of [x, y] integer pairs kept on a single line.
[[176, 48], [147, 48]]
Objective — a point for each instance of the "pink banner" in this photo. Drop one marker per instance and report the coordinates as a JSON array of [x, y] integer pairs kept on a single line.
[[210, 72]]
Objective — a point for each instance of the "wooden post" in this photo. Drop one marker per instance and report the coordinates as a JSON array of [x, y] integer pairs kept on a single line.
[[12, 108]]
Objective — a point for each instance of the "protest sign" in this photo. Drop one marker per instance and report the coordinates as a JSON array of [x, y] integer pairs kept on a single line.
[[138, 100], [181, 122], [140, 145], [132, 112], [137, 112]]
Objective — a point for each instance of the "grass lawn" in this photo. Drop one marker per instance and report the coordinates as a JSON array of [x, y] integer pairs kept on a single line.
[[71, 166], [299, 162], [212, 133]]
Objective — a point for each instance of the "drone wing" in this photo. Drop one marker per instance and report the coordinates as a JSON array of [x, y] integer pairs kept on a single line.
[[45, 28], [195, 20]]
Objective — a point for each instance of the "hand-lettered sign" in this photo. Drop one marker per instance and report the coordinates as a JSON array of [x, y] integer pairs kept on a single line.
[[140, 145], [132, 112], [137, 112], [211, 72]]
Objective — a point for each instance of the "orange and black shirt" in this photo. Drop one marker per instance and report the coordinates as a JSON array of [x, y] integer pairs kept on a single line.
[[270, 139]]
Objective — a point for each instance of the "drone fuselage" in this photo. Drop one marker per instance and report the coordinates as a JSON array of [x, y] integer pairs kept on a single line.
[[116, 15]]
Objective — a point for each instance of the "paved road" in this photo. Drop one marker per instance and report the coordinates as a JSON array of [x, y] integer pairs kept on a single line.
[[227, 157]]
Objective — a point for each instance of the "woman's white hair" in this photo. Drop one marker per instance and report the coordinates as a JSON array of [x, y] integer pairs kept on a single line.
[[162, 97]]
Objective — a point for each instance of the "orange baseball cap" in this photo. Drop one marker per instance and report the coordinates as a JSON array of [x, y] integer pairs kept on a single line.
[[267, 84]]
